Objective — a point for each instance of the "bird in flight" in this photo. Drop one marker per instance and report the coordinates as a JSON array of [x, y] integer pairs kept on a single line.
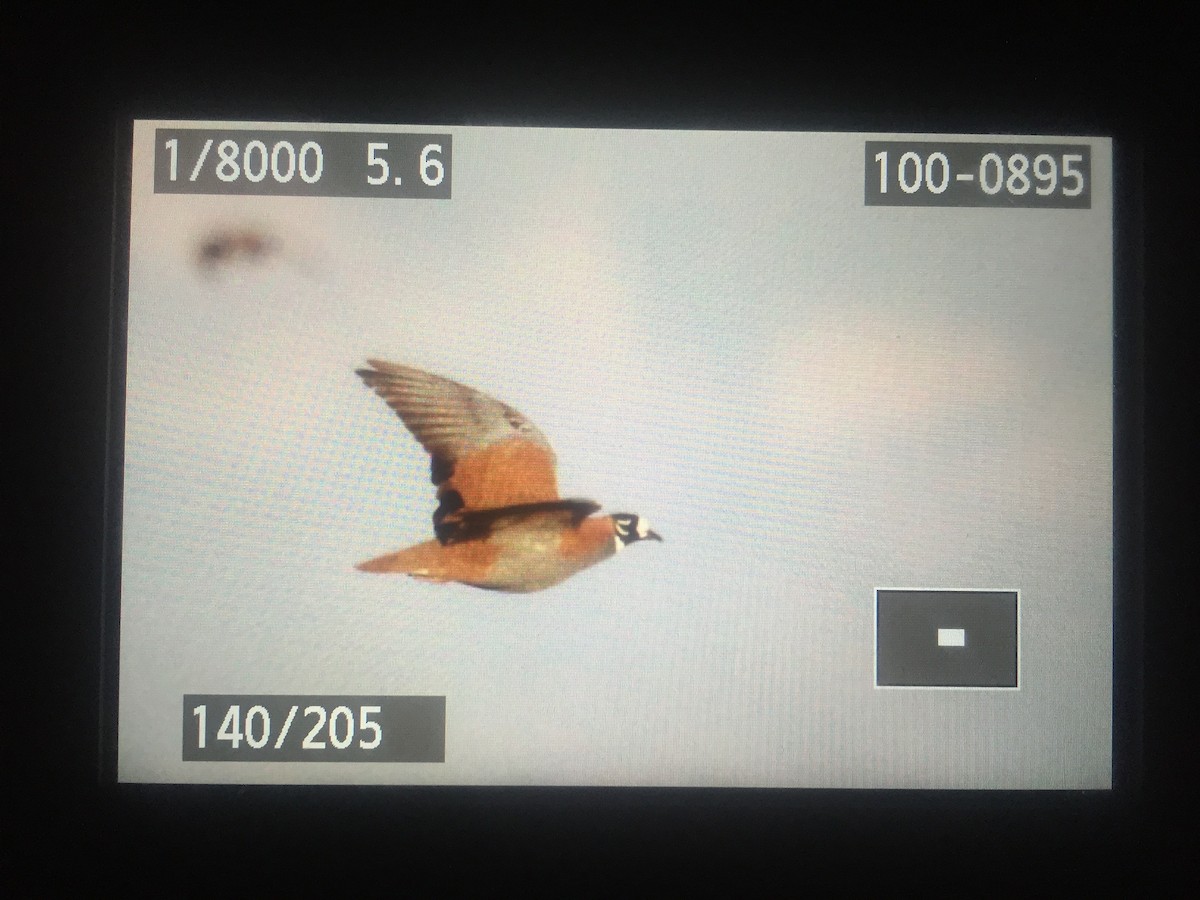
[[499, 523], [224, 246]]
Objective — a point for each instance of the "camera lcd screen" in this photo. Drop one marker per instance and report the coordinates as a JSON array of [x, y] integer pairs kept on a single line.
[[458, 455]]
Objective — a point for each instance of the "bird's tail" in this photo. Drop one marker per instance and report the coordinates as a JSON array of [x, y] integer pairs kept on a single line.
[[418, 561]]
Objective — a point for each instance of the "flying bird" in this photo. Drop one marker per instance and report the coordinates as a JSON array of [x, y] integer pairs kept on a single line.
[[499, 523], [225, 246]]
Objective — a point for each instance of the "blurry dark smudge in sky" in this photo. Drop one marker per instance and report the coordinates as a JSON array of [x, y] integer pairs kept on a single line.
[[229, 246]]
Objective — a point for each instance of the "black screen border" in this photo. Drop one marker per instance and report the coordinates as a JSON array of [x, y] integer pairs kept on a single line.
[[769, 827]]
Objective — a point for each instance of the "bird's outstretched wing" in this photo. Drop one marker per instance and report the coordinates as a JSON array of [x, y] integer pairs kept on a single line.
[[484, 454]]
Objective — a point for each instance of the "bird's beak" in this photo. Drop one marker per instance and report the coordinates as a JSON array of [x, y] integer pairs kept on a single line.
[[653, 536]]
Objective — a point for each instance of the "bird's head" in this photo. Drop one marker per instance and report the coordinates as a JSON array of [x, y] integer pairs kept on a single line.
[[632, 528]]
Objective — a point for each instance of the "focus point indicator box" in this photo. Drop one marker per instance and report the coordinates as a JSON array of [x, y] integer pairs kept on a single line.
[[951, 637], [942, 638]]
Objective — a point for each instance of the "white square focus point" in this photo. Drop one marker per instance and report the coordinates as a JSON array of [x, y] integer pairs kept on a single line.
[[952, 637]]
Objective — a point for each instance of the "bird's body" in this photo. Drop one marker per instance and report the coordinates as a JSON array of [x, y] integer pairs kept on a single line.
[[500, 523], [224, 246], [520, 554]]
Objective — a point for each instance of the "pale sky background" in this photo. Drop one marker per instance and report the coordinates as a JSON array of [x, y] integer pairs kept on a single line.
[[806, 397]]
